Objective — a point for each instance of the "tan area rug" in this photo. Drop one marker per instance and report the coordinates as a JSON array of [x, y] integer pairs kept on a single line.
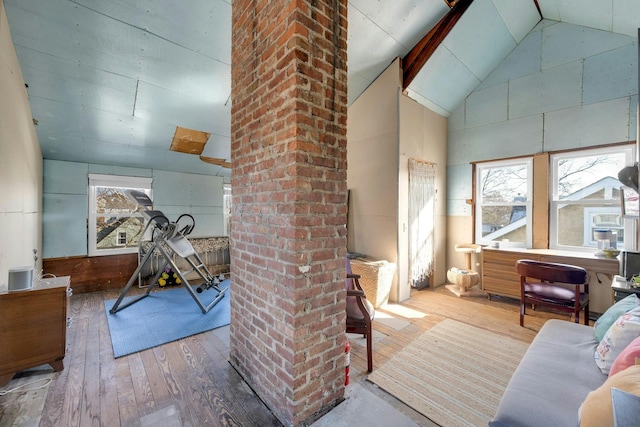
[[454, 374]]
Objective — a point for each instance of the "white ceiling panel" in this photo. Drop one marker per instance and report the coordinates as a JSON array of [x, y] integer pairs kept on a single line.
[[417, 96], [99, 152], [96, 94], [355, 86], [589, 13], [62, 29], [117, 129], [626, 17], [406, 21], [171, 67], [110, 80], [53, 114], [549, 9], [522, 61], [444, 80], [513, 138], [519, 16], [568, 127], [218, 147], [606, 76], [203, 27], [178, 109], [88, 124], [487, 106], [480, 51], [560, 46], [555, 89], [370, 50]]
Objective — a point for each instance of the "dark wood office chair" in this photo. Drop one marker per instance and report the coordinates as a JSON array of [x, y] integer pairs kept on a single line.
[[561, 286], [360, 313]]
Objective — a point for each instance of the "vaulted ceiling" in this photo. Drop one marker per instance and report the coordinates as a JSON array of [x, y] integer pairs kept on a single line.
[[109, 82]]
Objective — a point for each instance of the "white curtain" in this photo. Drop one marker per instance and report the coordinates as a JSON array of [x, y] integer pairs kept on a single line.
[[422, 194]]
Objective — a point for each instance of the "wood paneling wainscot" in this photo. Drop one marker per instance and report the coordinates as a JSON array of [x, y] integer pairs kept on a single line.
[[93, 273]]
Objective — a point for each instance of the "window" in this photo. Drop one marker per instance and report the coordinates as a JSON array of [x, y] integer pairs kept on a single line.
[[503, 202], [226, 202], [585, 196], [122, 238], [114, 226]]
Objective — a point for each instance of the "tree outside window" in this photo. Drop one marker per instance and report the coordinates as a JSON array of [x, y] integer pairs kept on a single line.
[[503, 205], [586, 195]]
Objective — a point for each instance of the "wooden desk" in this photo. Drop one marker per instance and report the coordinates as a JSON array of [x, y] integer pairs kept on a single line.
[[33, 327], [499, 275]]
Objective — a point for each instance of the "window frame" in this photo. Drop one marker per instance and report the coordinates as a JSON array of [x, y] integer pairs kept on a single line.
[[116, 181], [528, 203], [119, 238], [590, 227], [609, 204]]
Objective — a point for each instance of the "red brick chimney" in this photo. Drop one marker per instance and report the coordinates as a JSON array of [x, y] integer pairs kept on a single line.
[[288, 234]]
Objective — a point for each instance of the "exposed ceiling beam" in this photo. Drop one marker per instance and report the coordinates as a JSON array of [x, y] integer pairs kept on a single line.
[[538, 7], [413, 62]]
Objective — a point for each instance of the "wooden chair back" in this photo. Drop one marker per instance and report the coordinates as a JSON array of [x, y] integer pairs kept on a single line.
[[561, 286]]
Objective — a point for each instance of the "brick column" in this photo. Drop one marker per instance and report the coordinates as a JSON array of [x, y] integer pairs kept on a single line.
[[288, 235]]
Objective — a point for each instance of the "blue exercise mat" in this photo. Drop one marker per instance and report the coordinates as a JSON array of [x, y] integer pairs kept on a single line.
[[164, 316]]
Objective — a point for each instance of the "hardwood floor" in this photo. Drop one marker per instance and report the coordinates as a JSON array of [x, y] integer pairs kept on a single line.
[[190, 380], [425, 309]]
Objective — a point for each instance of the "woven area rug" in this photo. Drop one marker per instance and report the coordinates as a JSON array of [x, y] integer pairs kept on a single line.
[[454, 374], [164, 316]]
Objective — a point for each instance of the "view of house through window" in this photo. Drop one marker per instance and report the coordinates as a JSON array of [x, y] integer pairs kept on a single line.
[[585, 196], [114, 224], [503, 202]]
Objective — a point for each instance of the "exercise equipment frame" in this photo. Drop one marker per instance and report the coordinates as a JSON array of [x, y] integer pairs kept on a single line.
[[168, 239]]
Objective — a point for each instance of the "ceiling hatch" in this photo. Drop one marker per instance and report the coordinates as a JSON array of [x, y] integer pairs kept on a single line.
[[189, 141]]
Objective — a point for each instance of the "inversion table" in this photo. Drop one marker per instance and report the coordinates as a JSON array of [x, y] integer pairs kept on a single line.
[[169, 239]]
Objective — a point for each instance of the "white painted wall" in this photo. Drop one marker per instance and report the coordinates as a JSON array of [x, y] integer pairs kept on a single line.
[[21, 171], [564, 86], [423, 136], [385, 129], [372, 169]]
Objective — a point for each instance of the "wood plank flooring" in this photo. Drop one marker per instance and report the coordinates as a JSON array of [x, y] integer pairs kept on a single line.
[[192, 379]]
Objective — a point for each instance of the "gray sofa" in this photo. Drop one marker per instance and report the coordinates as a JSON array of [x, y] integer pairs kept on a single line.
[[553, 378]]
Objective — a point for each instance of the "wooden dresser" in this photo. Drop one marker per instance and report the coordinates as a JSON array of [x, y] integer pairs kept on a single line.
[[33, 327], [499, 275]]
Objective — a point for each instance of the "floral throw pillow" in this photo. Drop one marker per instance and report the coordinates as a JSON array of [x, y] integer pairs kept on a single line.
[[618, 337], [605, 321]]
